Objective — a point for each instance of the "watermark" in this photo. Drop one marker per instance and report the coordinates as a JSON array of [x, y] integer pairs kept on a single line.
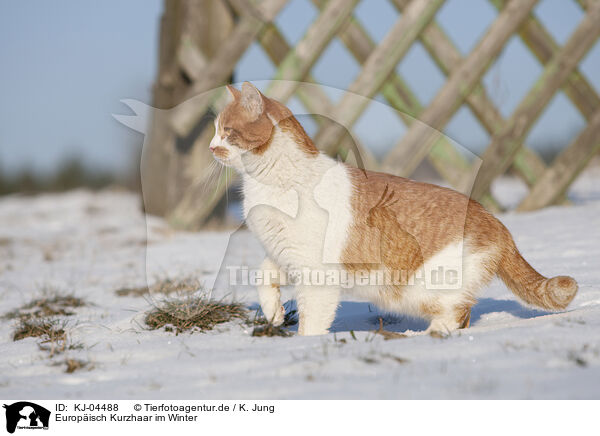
[[431, 278]]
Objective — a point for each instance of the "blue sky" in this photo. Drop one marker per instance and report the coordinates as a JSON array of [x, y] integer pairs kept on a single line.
[[67, 64]]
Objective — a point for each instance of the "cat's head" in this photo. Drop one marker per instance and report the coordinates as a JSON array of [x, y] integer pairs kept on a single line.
[[248, 123]]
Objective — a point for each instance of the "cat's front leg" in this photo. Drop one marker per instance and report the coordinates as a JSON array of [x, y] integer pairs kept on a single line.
[[269, 294], [316, 306]]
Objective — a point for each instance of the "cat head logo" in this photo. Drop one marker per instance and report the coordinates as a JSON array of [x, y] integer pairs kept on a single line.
[[24, 415]]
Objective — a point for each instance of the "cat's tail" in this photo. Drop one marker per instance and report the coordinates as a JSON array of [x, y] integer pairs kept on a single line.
[[530, 286]]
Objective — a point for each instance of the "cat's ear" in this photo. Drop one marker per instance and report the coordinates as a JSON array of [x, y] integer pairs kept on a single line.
[[252, 100], [233, 92]]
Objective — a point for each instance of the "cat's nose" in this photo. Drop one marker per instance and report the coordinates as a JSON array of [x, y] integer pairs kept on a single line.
[[212, 147]]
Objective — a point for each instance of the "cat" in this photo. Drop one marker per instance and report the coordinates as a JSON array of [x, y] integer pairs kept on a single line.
[[312, 212]]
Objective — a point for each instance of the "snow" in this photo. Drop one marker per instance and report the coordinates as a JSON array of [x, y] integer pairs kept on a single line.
[[92, 244]]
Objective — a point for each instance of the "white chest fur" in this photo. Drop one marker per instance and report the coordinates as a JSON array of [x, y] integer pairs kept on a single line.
[[303, 223]]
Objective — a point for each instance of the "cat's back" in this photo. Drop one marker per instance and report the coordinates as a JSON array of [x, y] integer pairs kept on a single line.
[[435, 216], [410, 194]]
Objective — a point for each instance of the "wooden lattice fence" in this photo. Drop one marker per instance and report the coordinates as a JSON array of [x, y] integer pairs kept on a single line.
[[203, 40]]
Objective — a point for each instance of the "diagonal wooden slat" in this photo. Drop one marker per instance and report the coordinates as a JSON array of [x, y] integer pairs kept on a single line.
[[417, 142], [292, 64], [542, 45], [444, 157], [191, 60], [376, 70], [576, 88], [297, 62], [313, 98], [187, 114], [555, 181], [378, 75], [300, 59], [282, 93], [446, 160], [448, 58], [498, 156]]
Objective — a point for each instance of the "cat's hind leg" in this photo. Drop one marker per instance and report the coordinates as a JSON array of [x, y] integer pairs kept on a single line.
[[455, 305], [449, 315], [316, 306], [269, 294]]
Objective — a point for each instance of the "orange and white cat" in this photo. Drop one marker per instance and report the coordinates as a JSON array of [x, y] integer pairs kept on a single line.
[[311, 212]]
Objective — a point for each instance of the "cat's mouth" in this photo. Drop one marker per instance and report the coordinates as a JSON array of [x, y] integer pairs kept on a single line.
[[220, 153]]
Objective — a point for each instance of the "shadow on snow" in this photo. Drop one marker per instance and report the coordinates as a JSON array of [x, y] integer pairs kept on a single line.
[[358, 316]]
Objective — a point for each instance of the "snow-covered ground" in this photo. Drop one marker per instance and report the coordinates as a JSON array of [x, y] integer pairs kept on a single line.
[[93, 244]]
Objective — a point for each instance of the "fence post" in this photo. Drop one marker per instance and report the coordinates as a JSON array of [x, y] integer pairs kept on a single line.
[[190, 33]]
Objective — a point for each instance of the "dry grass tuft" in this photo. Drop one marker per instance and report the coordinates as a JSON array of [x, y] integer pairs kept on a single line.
[[387, 335], [193, 312], [164, 287], [264, 328], [49, 305], [270, 330], [46, 329], [132, 292], [75, 365], [72, 365], [51, 332], [40, 319]]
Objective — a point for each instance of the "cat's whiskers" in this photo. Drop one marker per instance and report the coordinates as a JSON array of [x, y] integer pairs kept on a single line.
[[207, 178], [219, 178], [226, 187]]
